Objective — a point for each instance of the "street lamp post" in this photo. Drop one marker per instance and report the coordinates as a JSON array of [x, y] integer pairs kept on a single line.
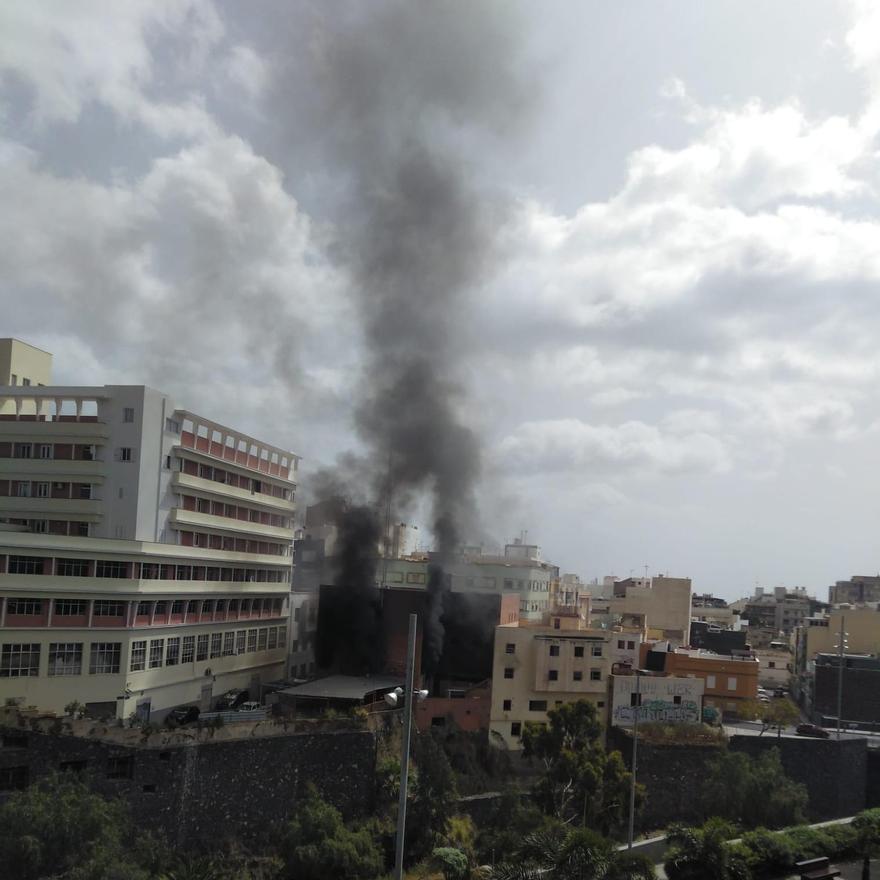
[[632, 782], [840, 660]]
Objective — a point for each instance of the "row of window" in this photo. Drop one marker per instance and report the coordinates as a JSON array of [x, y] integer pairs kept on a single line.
[[111, 608], [73, 528], [553, 674], [148, 571], [46, 451], [46, 489], [535, 706], [187, 649], [553, 650], [22, 660], [233, 511], [237, 481], [65, 658]]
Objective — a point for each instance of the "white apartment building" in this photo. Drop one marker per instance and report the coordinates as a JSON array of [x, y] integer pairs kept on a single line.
[[145, 551]]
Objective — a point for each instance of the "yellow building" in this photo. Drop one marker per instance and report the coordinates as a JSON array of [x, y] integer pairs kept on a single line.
[[23, 365], [539, 666]]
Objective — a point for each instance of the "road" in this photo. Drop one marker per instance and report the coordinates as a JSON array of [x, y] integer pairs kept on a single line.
[[753, 728]]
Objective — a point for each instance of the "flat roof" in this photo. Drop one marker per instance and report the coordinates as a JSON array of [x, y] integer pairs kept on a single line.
[[343, 687]]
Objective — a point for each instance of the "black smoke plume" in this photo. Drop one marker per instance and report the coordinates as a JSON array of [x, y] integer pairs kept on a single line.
[[407, 90]]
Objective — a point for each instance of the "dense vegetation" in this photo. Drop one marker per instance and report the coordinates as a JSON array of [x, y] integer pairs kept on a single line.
[[561, 820]]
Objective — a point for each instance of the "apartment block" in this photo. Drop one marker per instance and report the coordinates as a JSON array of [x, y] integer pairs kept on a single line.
[[664, 602], [858, 590], [538, 666], [145, 551]]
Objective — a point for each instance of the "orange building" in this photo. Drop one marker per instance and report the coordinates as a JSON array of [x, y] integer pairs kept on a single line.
[[728, 681]]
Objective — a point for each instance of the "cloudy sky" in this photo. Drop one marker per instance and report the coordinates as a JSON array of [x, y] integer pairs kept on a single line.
[[669, 353]]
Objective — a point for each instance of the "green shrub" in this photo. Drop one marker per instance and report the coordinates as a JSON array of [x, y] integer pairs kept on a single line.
[[766, 852]]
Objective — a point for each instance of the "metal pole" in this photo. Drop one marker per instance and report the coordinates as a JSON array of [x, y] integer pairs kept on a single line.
[[840, 676], [632, 782], [409, 699]]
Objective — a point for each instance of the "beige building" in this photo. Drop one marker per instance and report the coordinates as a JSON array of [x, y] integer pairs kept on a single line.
[[539, 666], [145, 551], [774, 665], [24, 365], [820, 634], [664, 602]]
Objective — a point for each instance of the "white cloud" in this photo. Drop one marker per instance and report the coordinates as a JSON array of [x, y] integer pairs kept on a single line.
[[247, 70], [573, 445]]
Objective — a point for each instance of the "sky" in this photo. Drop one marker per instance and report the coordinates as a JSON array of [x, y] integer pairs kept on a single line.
[[668, 348]]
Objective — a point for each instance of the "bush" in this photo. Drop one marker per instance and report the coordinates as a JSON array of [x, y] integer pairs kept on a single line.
[[766, 852], [452, 863]]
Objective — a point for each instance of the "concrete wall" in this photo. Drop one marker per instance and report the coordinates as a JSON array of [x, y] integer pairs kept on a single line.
[[833, 772], [213, 791]]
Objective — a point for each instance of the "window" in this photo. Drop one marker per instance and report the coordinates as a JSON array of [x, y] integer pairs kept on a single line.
[[125, 453], [577, 675], [105, 658], [157, 650], [771, 664], [14, 778], [240, 641], [228, 644], [25, 565], [579, 651], [554, 650], [192, 607], [45, 450], [537, 705], [70, 608], [731, 683], [104, 608], [252, 641], [172, 427], [216, 644], [120, 767], [106, 569], [65, 658], [177, 607], [128, 414], [80, 529], [161, 609], [621, 643], [508, 584], [635, 699], [710, 681], [630, 646], [25, 380], [676, 701], [261, 639], [273, 637], [515, 728], [72, 567], [172, 655], [556, 623], [202, 647], [552, 675], [23, 489], [40, 526], [22, 450], [282, 636], [138, 655], [189, 646], [24, 606], [508, 672], [42, 490], [19, 660], [507, 705], [596, 651], [595, 675]]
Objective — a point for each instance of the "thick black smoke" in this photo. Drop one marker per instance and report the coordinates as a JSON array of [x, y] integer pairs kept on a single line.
[[407, 91]]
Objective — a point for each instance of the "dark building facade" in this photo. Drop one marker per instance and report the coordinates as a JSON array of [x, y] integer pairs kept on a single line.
[[861, 689], [722, 641]]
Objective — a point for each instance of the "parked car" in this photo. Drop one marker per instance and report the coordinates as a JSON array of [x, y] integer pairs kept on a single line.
[[811, 730], [780, 692], [232, 700], [184, 714], [249, 706]]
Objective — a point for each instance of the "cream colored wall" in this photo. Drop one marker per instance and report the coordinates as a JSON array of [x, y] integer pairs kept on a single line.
[[777, 675], [166, 686], [22, 361], [862, 626], [530, 662], [666, 605]]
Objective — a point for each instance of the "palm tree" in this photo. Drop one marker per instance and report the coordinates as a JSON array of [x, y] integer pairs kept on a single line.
[[579, 854], [697, 853]]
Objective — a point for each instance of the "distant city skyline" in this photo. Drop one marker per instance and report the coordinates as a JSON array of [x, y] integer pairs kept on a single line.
[[669, 355]]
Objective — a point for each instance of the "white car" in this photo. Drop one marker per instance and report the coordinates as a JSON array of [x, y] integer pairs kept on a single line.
[[249, 707]]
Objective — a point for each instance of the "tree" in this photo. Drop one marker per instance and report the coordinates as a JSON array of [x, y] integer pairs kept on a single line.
[[867, 827], [434, 797], [59, 827], [315, 845], [451, 862], [776, 714], [572, 854], [698, 853], [582, 782], [753, 792]]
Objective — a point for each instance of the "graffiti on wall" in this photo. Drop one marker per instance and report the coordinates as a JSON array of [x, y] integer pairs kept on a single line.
[[659, 710]]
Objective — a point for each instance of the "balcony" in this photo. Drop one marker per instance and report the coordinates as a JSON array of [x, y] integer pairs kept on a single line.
[[85, 510], [220, 490], [94, 433], [55, 469], [207, 522]]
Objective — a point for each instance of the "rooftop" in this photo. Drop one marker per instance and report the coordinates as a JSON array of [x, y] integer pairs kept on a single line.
[[343, 687]]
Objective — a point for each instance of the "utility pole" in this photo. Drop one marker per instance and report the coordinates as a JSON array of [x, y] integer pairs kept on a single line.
[[840, 660], [409, 699], [632, 782]]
